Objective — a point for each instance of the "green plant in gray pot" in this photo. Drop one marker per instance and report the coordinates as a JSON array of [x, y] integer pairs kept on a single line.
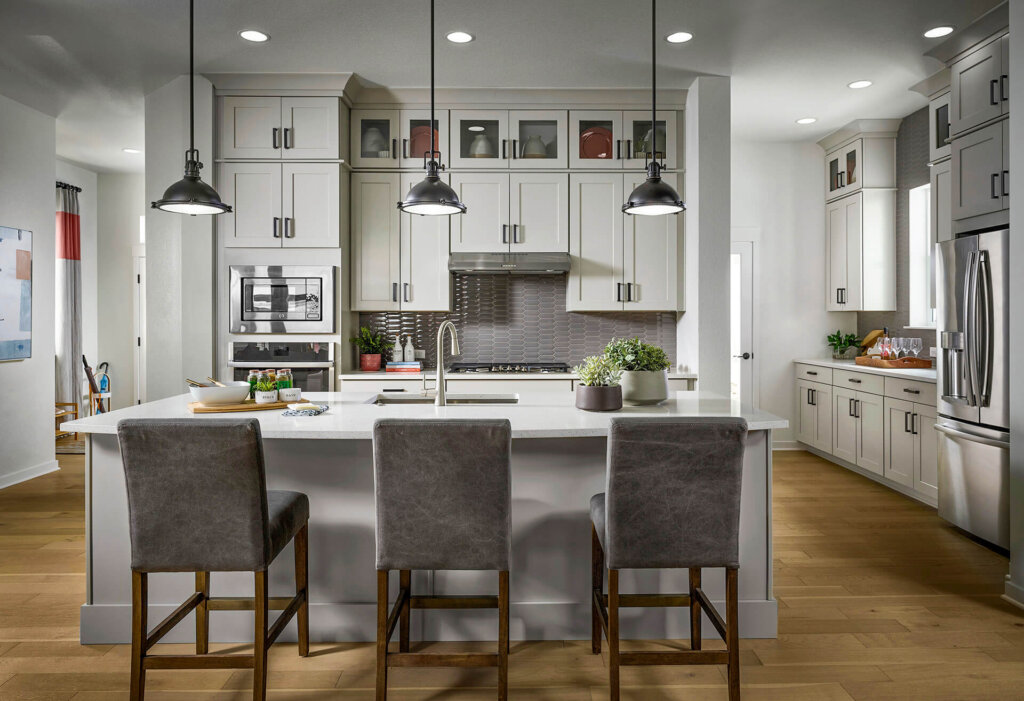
[[844, 347], [598, 386], [644, 370]]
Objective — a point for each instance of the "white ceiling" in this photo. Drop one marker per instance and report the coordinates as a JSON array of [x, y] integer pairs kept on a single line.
[[90, 62]]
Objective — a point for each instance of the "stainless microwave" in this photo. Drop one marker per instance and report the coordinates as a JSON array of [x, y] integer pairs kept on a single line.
[[281, 299]]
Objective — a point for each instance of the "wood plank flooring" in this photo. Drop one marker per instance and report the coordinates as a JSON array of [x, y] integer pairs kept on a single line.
[[878, 600]]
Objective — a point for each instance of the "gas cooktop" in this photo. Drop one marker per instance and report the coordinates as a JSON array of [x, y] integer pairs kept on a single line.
[[514, 368]]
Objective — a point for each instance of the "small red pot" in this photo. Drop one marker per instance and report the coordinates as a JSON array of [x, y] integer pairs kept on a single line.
[[369, 362]]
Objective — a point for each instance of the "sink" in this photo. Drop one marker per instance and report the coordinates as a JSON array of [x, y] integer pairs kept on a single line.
[[450, 398]]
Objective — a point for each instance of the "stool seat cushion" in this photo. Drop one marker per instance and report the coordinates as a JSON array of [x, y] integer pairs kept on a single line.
[[288, 512], [597, 517]]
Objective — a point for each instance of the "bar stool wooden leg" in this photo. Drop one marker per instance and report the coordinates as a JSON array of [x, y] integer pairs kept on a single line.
[[597, 584], [382, 635], [613, 633], [203, 613], [404, 585], [732, 631], [503, 635], [260, 606], [695, 615], [140, 627], [302, 585]]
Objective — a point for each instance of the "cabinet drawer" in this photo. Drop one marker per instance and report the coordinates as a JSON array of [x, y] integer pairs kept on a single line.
[[910, 390], [814, 373], [860, 381], [380, 386]]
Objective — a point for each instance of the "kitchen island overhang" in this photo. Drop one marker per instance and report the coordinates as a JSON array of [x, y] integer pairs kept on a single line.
[[558, 463]]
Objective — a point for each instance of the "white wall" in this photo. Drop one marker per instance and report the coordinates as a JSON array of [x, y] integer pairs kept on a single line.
[[777, 202], [122, 200], [87, 208], [27, 174]]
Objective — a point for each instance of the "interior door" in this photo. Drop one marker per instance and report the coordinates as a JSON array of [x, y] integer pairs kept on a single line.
[[845, 441], [595, 139], [484, 228], [310, 127], [376, 248], [311, 200], [978, 165], [926, 464], [426, 282], [974, 94], [651, 247], [900, 443], [835, 223], [479, 139], [251, 127], [870, 432], [539, 212], [416, 138], [254, 191], [595, 243]]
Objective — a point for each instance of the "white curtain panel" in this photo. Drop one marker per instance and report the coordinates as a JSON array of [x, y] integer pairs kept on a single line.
[[68, 319]]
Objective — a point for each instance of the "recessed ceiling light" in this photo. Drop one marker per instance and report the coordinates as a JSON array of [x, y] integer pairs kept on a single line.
[[678, 37], [806, 120], [459, 37], [936, 32], [254, 35], [131, 150], [858, 84]]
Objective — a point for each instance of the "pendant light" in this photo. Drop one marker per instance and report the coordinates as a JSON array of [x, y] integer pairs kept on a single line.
[[654, 196], [432, 196], [191, 195]]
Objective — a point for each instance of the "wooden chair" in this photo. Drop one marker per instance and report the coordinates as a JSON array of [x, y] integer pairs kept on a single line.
[[60, 414]]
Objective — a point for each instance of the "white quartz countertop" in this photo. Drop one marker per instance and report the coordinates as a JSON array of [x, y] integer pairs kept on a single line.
[[384, 375], [921, 375], [351, 417]]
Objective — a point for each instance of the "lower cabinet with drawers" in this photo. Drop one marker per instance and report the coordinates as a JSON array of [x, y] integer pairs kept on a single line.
[[880, 426]]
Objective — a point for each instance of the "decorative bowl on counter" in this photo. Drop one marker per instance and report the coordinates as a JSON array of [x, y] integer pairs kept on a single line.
[[234, 393]]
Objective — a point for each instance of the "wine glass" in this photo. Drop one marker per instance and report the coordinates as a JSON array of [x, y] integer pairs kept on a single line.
[[916, 346]]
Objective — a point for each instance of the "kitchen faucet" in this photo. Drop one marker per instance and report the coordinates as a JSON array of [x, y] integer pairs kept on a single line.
[[439, 399]]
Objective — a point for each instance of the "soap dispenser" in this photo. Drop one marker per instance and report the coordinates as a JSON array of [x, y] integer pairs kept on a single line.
[[410, 352]]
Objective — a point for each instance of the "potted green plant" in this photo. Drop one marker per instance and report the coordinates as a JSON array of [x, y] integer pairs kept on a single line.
[[844, 346], [372, 345], [644, 370], [598, 386], [266, 391]]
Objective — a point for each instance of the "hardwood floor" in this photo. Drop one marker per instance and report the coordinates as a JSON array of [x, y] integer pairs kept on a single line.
[[878, 600]]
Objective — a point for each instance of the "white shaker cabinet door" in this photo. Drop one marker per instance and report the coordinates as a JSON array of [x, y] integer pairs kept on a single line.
[[899, 443], [870, 432], [595, 243], [310, 127], [484, 228], [975, 85], [254, 192], [845, 439], [977, 172], [311, 204], [426, 282], [250, 127], [539, 212], [651, 255], [835, 232], [375, 242], [823, 408], [926, 466]]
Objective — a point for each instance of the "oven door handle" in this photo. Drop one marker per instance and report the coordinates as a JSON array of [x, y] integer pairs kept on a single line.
[[266, 363]]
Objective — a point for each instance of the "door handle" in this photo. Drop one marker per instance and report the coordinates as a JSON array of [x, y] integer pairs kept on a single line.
[[277, 227], [950, 431], [1006, 183], [515, 233], [850, 410], [810, 402], [906, 420], [515, 149], [405, 291], [618, 149], [992, 84], [854, 381], [289, 232], [394, 148], [995, 186], [287, 135], [1004, 91], [504, 151], [844, 295], [748, 356], [911, 391], [984, 354], [913, 423], [405, 144], [394, 291], [276, 137], [629, 291], [504, 233], [618, 291]]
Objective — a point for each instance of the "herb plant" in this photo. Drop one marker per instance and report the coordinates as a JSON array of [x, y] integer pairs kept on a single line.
[[372, 343], [841, 342], [598, 371], [634, 355], [265, 385]]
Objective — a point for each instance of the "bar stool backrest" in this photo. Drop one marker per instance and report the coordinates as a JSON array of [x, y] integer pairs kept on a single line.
[[197, 494], [673, 492]]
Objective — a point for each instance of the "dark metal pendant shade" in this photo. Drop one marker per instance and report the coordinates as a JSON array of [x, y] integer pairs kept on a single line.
[[191, 195]]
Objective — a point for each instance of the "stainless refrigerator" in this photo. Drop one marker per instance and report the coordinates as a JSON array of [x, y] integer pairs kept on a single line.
[[973, 384]]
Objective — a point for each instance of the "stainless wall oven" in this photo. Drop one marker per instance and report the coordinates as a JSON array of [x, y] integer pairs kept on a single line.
[[311, 363], [281, 299]]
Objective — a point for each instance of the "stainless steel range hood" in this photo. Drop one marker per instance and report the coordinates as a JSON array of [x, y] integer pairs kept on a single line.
[[509, 263]]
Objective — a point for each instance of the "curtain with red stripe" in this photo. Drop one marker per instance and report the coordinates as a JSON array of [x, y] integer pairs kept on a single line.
[[68, 320]]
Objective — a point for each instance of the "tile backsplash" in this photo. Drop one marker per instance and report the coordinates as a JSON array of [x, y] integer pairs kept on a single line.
[[522, 318]]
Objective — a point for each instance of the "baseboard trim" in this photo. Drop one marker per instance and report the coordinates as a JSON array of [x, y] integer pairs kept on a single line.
[[1013, 593], [786, 445], [895, 486], [28, 473]]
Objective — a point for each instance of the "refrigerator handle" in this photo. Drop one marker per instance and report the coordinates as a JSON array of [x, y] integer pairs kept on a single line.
[[970, 329], [983, 319], [984, 440]]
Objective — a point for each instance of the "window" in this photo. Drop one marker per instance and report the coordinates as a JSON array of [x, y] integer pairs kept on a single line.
[[922, 259]]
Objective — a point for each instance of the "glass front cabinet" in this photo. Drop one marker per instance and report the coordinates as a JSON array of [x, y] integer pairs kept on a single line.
[[538, 139], [843, 170], [415, 137], [375, 139], [479, 139], [613, 139]]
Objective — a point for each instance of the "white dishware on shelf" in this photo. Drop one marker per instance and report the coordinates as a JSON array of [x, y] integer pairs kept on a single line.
[[481, 147], [374, 141], [534, 147]]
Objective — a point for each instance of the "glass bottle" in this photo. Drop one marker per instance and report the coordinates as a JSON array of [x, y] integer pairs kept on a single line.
[[253, 378], [284, 379]]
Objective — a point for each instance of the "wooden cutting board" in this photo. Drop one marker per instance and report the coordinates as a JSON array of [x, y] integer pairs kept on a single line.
[[898, 364], [247, 405]]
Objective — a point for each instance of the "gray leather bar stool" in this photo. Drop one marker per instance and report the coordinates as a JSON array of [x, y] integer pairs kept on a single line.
[[444, 494], [198, 502], [672, 501]]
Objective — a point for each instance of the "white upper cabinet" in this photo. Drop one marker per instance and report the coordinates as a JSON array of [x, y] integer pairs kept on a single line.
[[539, 139], [652, 252], [938, 128], [861, 252], [595, 139], [376, 243], [941, 211], [980, 176], [254, 192], [842, 170], [310, 205], [426, 284], [979, 87], [415, 137], [479, 139], [595, 242], [637, 150], [375, 139], [484, 228], [867, 161], [274, 127], [539, 212]]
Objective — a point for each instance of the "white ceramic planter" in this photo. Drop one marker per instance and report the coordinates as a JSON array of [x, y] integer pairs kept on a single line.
[[266, 397], [290, 394], [640, 387]]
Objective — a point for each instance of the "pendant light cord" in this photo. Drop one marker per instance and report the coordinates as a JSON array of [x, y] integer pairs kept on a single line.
[[654, 75], [191, 78], [433, 131]]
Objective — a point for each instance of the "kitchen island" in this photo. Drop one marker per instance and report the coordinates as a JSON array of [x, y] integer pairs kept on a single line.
[[558, 463]]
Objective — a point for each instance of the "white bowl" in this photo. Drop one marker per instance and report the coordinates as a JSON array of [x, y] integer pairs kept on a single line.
[[234, 393]]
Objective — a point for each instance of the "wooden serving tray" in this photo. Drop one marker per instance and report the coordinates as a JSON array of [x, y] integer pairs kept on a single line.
[[247, 405], [898, 364]]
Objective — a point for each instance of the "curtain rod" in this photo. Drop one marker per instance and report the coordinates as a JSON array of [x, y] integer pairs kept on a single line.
[[66, 186]]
